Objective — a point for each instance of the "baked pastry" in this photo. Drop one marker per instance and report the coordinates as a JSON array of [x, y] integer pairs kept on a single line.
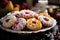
[[8, 21], [24, 14], [27, 14], [46, 21], [20, 24], [15, 13], [45, 14], [35, 16], [34, 24]]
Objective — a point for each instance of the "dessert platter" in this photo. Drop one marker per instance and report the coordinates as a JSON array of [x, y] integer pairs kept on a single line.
[[26, 21]]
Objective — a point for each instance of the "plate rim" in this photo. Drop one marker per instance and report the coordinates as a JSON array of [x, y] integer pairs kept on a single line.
[[24, 32]]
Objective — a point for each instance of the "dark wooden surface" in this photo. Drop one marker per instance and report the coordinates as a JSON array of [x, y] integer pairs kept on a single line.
[[38, 36], [12, 36]]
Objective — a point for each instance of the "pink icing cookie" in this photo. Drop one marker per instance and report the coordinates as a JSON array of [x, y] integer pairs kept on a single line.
[[27, 14], [20, 24]]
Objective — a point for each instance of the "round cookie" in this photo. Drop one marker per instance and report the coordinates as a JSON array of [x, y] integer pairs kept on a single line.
[[27, 14], [34, 24], [8, 21], [20, 24], [46, 21]]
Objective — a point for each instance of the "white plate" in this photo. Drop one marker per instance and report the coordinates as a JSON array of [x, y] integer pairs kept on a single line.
[[24, 32]]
